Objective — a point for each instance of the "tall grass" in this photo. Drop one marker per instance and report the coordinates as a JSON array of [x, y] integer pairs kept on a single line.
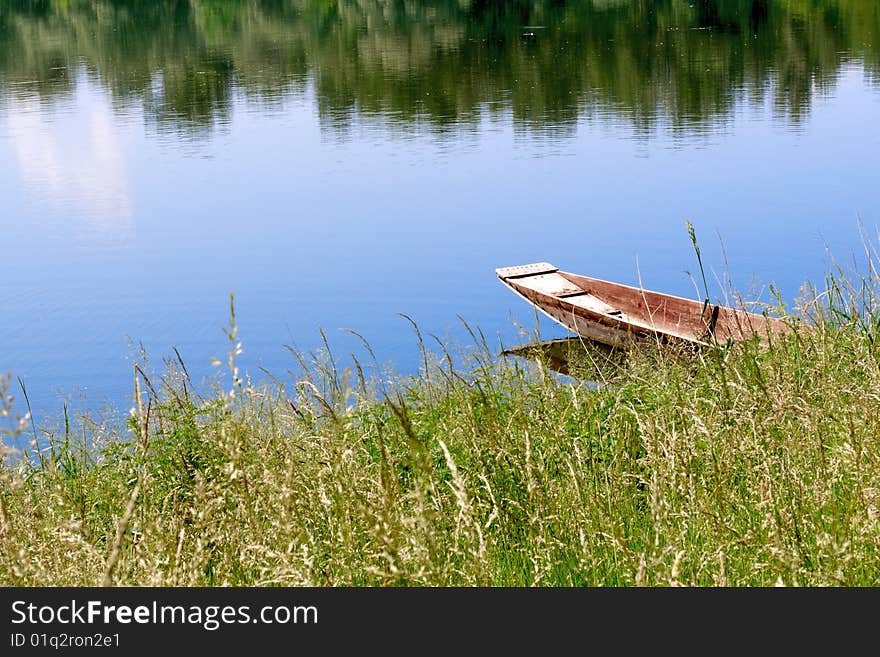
[[753, 463]]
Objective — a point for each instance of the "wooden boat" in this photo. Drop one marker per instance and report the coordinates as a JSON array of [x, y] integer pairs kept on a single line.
[[618, 315]]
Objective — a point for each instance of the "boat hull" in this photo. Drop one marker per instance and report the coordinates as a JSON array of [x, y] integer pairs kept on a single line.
[[619, 315]]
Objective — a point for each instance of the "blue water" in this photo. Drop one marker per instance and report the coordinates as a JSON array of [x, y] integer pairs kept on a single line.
[[118, 232]]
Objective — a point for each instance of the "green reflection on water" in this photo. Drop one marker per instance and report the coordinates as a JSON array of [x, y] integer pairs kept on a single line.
[[443, 64]]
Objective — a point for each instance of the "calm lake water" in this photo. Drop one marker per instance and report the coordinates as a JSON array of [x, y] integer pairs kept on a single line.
[[336, 163]]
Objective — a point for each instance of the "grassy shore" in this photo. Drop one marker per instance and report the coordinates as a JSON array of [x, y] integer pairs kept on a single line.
[[747, 464]]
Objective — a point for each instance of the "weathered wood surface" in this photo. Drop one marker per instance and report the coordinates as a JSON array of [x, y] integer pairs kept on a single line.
[[618, 315]]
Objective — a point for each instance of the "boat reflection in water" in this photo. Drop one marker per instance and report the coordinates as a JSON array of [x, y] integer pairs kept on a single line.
[[573, 357]]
